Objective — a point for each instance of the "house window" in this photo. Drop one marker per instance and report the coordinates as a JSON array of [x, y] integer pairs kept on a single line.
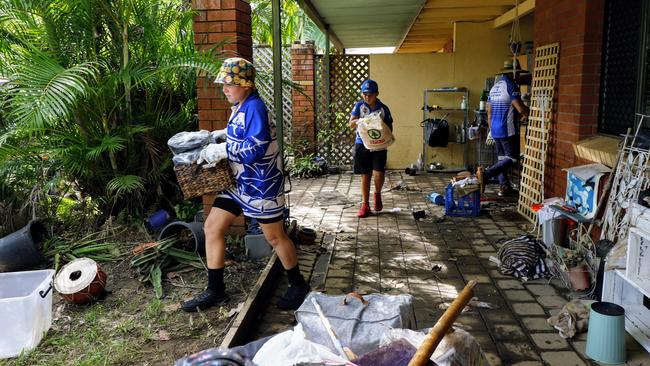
[[625, 90]]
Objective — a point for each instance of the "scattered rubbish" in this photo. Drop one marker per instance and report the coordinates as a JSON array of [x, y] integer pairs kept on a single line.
[[481, 304], [419, 214], [22, 249], [436, 268], [523, 257], [330, 198], [257, 246], [572, 319], [436, 198], [495, 260], [453, 259], [395, 210], [157, 220], [162, 335], [306, 236], [190, 235], [402, 186], [26, 303], [81, 281]]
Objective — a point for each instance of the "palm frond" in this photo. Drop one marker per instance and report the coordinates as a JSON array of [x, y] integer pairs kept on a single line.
[[109, 144], [124, 184]]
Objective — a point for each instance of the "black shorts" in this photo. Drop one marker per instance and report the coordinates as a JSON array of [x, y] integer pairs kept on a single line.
[[231, 206], [365, 161]]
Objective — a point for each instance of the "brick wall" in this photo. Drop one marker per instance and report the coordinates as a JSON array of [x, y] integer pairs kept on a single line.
[[302, 69], [220, 21], [578, 27]]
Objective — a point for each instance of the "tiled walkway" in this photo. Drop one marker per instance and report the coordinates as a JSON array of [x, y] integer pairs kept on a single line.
[[393, 253]]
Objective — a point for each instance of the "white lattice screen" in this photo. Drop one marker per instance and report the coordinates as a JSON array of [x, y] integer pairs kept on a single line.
[[263, 61], [544, 79]]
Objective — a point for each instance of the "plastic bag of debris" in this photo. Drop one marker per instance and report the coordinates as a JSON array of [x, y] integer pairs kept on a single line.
[[186, 141], [457, 348], [374, 132]]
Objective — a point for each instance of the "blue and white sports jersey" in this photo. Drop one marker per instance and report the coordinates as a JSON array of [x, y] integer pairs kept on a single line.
[[504, 116], [362, 109], [255, 160]]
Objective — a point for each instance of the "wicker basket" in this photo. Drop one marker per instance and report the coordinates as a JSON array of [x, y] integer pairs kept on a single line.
[[196, 181]]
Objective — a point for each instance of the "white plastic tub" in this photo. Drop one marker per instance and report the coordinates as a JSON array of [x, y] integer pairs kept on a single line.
[[25, 310]]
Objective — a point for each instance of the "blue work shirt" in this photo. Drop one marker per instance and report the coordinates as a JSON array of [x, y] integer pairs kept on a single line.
[[362, 109], [254, 157], [504, 117]]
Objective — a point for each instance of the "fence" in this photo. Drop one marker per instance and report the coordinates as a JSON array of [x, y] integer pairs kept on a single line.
[[263, 61], [335, 139]]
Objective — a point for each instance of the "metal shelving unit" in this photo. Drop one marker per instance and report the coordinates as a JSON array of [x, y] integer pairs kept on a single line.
[[451, 111]]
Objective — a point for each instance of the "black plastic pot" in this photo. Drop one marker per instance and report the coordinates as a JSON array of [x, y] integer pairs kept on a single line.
[[22, 249], [178, 228]]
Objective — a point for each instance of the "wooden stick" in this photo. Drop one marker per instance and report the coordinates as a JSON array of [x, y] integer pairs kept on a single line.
[[445, 322]]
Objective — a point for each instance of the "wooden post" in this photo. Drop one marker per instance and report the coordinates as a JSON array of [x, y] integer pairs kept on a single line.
[[445, 322]]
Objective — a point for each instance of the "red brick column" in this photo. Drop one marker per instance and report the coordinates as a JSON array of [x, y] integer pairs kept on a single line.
[[302, 69], [578, 27], [218, 21]]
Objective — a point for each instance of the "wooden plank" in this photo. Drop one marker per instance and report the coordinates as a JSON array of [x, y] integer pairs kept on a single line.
[[467, 3], [525, 8], [256, 300], [462, 13]]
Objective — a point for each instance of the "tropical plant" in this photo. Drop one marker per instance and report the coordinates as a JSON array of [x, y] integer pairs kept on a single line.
[[295, 24], [153, 259], [95, 88]]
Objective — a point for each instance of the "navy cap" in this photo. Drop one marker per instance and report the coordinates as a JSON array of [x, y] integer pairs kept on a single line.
[[369, 86]]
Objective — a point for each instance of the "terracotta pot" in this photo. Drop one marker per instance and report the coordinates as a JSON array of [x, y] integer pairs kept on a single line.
[[579, 277], [80, 281]]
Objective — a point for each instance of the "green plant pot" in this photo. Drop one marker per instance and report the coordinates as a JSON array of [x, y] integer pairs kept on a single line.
[[606, 336]]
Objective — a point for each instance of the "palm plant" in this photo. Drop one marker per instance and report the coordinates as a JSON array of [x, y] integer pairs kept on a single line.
[[96, 87], [295, 24]]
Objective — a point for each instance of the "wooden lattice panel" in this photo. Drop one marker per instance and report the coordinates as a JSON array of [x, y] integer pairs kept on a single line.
[[263, 61], [347, 73], [544, 79]]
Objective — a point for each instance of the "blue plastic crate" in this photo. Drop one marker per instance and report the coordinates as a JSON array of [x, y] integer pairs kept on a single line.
[[465, 206]]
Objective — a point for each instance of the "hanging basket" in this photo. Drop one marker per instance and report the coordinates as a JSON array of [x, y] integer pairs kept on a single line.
[[196, 181]]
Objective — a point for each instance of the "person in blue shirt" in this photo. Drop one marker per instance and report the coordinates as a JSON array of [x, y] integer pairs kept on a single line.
[[504, 109], [370, 164], [252, 151]]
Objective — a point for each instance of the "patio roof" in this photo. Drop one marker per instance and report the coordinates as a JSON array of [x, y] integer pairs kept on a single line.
[[411, 26]]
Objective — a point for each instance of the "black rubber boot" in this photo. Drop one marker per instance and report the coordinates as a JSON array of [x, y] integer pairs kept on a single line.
[[204, 300], [293, 297]]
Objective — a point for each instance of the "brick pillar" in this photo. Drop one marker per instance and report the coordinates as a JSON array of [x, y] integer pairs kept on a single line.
[[302, 69], [218, 21], [578, 27]]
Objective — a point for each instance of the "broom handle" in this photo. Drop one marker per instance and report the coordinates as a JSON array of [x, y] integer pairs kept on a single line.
[[445, 322]]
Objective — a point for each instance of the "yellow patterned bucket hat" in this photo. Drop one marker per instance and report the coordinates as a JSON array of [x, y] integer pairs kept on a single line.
[[237, 71]]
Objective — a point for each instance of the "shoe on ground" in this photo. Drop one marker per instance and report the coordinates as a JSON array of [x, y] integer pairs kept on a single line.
[[204, 300], [505, 191], [378, 204], [364, 210], [293, 297], [480, 172]]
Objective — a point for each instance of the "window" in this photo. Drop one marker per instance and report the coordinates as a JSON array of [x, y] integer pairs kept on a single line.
[[625, 90]]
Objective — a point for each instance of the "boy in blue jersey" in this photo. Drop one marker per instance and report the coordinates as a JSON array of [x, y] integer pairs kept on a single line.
[[504, 109], [370, 164], [252, 151]]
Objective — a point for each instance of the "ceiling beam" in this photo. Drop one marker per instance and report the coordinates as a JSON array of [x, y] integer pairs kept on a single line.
[[508, 17], [458, 12], [467, 3], [415, 18], [313, 14]]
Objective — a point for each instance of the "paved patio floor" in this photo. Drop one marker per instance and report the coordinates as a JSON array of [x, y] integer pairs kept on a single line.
[[393, 253]]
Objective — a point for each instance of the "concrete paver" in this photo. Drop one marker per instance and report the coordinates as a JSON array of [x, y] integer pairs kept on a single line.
[[433, 258]]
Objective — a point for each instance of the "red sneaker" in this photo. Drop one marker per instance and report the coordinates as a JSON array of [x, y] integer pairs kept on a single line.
[[364, 210], [378, 205]]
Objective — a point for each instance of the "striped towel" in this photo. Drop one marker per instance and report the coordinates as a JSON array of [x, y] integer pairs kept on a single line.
[[523, 257]]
